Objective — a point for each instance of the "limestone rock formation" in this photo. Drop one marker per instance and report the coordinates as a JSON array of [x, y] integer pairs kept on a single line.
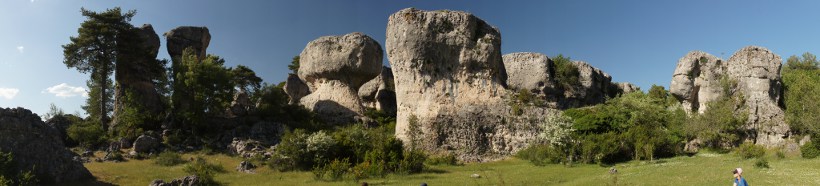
[[191, 180], [295, 88], [180, 38], [625, 87], [333, 68], [756, 70], [379, 93], [38, 147], [529, 71], [241, 104], [696, 80], [135, 75], [595, 87], [146, 144]]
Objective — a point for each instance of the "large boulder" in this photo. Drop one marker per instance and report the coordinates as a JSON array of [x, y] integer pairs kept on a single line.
[[38, 147], [146, 144], [135, 75], [333, 68], [180, 38], [696, 82], [529, 71], [379, 93], [295, 89]]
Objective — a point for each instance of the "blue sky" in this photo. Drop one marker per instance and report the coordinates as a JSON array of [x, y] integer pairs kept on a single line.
[[633, 41]]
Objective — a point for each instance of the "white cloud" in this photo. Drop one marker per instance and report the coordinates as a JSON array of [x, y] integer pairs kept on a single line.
[[64, 91], [9, 93], [20, 49]]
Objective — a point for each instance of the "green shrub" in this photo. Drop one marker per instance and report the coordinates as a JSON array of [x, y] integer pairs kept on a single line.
[[366, 170], [204, 170], [446, 159], [88, 133], [750, 150], [169, 158], [540, 155], [809, 150], [10, 175], [567, 74], [335, 170], [291, 153], [413, 162], [762, 163]]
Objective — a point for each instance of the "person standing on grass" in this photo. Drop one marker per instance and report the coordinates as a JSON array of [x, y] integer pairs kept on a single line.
[[738, 177]]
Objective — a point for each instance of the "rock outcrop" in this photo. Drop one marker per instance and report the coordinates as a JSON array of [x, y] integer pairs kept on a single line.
[[756, 70], [295, 88], [625, 87], [192, 180], [135, 75], [333, 68], [146, 144], [180, 38], [379, 93], [529, 71], [596, 85], [38, 147]]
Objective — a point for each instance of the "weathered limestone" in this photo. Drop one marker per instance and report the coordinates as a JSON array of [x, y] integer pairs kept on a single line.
[[135, 74], [295, 88], [379, 93], [38, 147], [756, 70], [334, 67], [180, 38]]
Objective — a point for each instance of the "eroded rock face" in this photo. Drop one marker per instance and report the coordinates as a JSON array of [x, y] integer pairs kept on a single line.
[[295, 88], [180, 38], [595, 87], [530, 71], [696, 80], [625, 87], [379, 93], [333, 68], [450, 79], [756, 70], [38, 147], [135, 74]]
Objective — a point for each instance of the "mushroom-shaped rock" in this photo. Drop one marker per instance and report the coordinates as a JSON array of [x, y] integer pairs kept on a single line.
[[530, 71], [334, 67], [180, 38], [696, 80]]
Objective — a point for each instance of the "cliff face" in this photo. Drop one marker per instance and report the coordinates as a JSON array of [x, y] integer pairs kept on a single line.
[[756, 70]]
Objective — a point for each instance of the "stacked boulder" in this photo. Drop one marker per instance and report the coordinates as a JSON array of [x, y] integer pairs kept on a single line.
[[37, 147], [696, 82], [378, 93], [334, 68]]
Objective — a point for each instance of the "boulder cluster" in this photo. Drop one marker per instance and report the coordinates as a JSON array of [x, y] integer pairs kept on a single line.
[[756, 70], [448, 84]]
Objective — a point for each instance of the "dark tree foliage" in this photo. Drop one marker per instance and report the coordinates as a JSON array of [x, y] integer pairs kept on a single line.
[[95, 50]]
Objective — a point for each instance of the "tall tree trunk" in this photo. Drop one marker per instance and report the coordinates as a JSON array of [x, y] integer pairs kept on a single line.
[[103, 98]]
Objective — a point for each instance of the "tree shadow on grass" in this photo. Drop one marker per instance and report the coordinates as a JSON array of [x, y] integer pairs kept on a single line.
[[93, 182]]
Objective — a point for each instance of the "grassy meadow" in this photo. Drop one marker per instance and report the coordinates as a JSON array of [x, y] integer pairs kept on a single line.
[[706, 168]]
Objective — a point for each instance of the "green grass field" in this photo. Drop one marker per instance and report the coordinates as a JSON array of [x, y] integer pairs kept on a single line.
[[702, 169]]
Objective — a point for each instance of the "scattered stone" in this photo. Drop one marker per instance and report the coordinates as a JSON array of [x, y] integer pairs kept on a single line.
[[38, 147], [475, 176], [184, 181], [246, 167]]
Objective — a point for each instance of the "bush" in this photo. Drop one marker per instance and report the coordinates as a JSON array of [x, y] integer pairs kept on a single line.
[[10, 175], [169, 158], [88, 133], [809, 150], [367, 170], [413, 162], [291, 153], [762, 163], [749, 150], [567, 74], [540, 155], [447, 159], [334, 170], [204, 170]]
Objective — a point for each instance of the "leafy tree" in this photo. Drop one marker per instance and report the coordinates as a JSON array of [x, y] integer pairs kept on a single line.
[[245, 79], [96, 50], [801, 81], [94, 106], [566, 73], [53, 111], [208, 83], [294, 65]]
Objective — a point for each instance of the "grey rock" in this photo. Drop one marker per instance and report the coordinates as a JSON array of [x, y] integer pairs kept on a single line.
[[379, 93], [594, 88], [135, 73], [180, 38], [625, 87], [241, 104], [756, 70], [529, 71], [295, 88], [38, 147], [334, 67], [246, 167], [192, 180], [146, 144]]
